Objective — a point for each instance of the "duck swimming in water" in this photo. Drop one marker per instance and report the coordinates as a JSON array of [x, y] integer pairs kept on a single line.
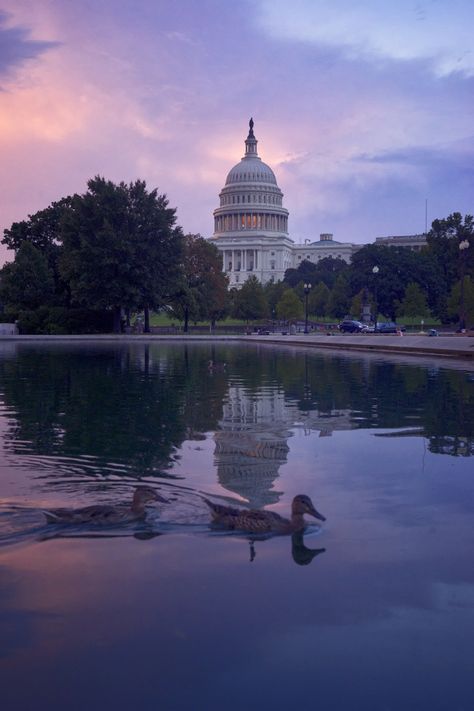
[[214, 366], [107, 515], [259, 521]]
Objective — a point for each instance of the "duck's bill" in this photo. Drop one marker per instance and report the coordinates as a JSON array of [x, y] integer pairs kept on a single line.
[[161, 499], [317, 515]]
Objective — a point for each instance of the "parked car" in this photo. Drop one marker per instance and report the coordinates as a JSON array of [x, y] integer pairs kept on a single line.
[[350, 326], [388, 327]]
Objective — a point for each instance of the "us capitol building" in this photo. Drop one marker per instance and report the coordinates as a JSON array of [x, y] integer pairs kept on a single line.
[[251, 226]]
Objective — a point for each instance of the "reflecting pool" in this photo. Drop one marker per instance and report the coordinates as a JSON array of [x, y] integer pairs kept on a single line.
[[372, 610]]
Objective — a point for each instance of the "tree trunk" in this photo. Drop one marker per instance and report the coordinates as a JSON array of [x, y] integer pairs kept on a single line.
[[186, 319], [146, 311], [117, 315]]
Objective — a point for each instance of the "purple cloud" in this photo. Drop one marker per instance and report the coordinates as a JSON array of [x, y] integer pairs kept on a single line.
[[16, 45]]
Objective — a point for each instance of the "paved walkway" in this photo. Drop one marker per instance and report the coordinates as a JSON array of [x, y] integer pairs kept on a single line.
[[455, 346]]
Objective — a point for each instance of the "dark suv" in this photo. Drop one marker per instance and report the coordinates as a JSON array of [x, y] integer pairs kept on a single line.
[[388, 327], [349, 326]]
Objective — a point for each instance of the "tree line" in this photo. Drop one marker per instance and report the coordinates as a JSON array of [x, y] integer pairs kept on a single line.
[[89, 262]]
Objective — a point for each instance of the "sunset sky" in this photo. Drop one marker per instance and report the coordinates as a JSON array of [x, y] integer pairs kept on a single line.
[[363, 108]]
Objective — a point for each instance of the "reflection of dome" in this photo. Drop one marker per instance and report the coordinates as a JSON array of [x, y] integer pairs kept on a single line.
[[251, 199], [251, 446], [248, 463]]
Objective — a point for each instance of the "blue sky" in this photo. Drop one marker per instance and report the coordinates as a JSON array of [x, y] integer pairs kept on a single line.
[[363, 109]]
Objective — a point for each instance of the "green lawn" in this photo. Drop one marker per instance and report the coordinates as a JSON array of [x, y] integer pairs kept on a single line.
[[163, 319]]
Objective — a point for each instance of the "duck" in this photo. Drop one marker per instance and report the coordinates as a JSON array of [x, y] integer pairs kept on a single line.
[[212, 366], [260, 521], [102, 514]]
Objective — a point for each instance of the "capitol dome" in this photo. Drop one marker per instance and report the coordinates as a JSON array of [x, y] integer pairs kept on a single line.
[[251, 199], [251, 169]]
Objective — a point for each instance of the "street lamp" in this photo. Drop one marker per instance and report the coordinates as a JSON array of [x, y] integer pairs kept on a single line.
[[306, 289], [375, 271], [462, 251]]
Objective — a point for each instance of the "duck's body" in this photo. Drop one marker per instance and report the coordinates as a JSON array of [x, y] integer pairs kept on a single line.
[[259, 521], [213, 366], [106, 515]]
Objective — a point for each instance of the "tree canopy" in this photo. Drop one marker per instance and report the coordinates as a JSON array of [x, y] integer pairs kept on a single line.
[[289, 308], [28, 282], [201, 291], [249, 302], [121, 248]]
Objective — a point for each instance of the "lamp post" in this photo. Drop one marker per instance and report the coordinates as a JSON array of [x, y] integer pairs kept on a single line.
[[462, 316], [375, 271], [306, 289]]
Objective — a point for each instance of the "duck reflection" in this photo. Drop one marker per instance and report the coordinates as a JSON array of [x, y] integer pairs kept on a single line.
[[301, 554], [142, 535]]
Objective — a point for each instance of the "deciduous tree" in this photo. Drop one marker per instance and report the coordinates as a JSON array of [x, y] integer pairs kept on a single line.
[[121, 248], [414, 303], [289, 308], [201, 293], [28, 282], [249, 301]]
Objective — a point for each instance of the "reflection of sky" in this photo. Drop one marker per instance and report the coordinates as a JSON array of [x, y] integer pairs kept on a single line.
[[391, 598], [364, 109], [184, 620], [128, 620]]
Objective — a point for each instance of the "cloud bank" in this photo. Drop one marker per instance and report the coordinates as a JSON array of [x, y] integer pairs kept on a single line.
[[360, 127]]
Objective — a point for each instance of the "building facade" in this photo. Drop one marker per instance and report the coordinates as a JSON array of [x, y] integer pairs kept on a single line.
[[413, 242]]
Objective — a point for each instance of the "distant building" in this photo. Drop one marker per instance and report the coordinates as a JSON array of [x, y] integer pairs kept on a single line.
[[413, 242], [325, 247], [251, 225]]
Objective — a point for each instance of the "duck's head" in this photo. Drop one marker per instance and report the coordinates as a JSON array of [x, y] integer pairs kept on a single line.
[[302, 504], [144, 494]]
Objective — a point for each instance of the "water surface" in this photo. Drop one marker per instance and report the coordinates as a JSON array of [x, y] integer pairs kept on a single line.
[[373, 610]]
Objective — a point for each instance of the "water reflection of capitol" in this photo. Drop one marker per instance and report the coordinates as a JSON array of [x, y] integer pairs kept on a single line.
[[252, 439]]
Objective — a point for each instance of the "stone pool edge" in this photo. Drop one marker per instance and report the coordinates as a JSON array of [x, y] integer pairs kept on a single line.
[[455, 346]]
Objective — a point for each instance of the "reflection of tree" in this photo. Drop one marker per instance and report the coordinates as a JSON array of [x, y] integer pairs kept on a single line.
[[127, 408], [455, 446], [333, 392], [130, 406]]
